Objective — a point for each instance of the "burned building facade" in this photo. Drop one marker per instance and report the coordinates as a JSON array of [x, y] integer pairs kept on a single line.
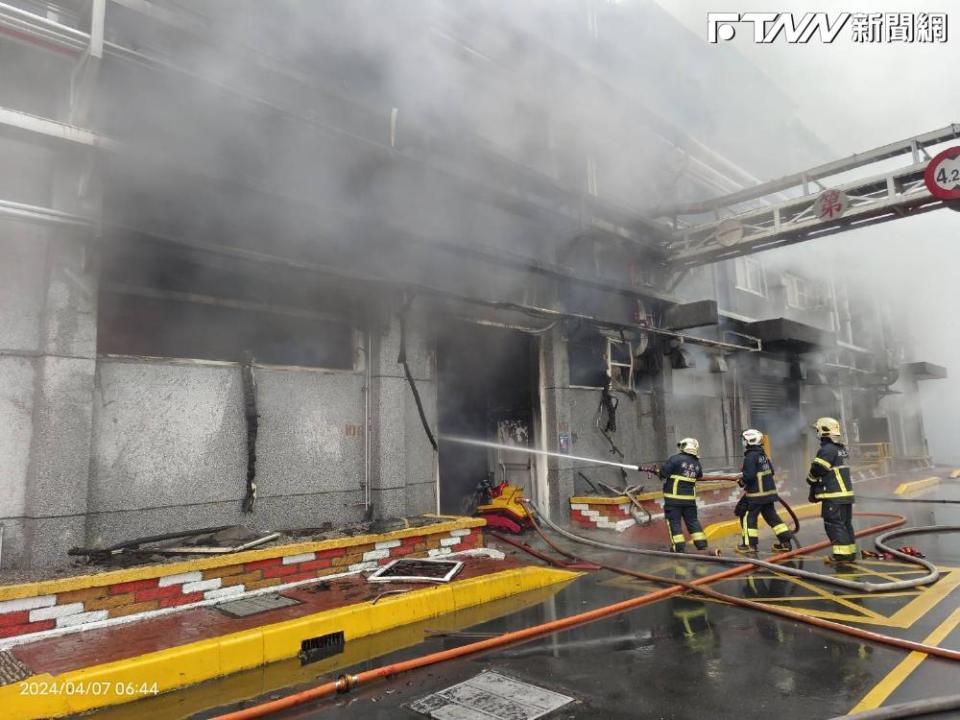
[[256, 264]]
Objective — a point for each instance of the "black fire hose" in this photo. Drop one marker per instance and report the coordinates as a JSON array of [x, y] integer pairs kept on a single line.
[[917, 708], [793, 516]]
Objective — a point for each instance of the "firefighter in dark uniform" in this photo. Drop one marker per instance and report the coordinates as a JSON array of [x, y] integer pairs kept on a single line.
[[757, 480], [829, 481], [680, 474]]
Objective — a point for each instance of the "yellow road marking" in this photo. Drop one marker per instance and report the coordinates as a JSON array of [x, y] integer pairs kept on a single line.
[[905, 617], [877, 573], [838, 599], [883, 689]]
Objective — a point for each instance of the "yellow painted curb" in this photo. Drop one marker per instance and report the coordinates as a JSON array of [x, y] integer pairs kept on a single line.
[[82, 582], [955, 474], [728, 528], [916, 486], [118, 682], [598, 500], [288, 673]]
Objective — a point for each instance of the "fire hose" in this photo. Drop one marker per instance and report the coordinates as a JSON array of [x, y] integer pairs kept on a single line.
[[933, 574], [346, 683], [917, 708], [743, 602]]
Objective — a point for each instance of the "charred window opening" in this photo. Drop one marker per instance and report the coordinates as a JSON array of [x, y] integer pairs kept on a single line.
[[156, 304], [587, 357]]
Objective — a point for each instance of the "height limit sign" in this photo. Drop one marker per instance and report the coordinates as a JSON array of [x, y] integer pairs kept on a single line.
[[942, 175]]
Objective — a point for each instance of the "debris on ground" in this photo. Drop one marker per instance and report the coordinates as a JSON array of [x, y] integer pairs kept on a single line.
[[148, 550], [417, 571]]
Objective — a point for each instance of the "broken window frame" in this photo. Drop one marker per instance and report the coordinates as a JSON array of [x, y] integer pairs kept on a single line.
[[616, 381]]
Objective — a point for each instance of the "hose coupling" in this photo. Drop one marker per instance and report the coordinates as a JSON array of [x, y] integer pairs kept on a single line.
[[346, 683]]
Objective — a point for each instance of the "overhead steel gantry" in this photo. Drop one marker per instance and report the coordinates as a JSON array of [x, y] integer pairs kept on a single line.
[[817, 206]]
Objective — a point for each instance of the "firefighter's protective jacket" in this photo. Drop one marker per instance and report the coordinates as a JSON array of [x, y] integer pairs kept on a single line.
[[830, 474], [758, 476], [680, 474]]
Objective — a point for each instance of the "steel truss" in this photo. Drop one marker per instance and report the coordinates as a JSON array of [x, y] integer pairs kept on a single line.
[[737, 230]]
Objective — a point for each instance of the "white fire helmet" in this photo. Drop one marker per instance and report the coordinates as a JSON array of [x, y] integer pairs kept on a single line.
[[752, 437], [827, 427], [690, 446]]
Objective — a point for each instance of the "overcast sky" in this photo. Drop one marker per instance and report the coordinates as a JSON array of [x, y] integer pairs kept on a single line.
[[856, 97]]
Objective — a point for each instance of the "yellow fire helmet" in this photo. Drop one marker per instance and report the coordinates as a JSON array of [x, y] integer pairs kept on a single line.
[[827, 427], [690, 445], [752, 437]]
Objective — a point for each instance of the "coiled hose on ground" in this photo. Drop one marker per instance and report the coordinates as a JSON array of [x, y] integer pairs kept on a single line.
[[345, 683], [931, 577], [739, 601]]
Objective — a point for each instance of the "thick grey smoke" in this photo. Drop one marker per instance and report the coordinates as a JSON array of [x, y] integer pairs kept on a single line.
[[848, 95]]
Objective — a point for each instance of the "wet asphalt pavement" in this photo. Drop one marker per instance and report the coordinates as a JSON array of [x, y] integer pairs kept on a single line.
[[683, 658]]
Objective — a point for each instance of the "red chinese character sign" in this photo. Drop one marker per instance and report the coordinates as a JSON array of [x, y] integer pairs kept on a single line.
[[942, 175], [831, 204]]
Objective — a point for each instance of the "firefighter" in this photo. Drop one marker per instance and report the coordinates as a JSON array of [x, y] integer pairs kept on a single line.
[[829, 482], [757, 480], [680, 474]]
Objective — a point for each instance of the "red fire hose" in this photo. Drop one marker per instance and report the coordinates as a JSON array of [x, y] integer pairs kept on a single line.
[[743, 602], [345, 683]]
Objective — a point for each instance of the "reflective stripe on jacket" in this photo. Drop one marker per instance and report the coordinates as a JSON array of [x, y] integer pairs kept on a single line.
[[758, 477], [830, 474], [680, 474]]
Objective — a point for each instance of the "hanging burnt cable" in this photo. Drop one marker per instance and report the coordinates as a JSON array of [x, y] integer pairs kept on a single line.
[[402, 359], [252, 422], [933, 574], [609, 405]]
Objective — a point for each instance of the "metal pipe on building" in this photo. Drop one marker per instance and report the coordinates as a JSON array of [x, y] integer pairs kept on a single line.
[[367, 382]]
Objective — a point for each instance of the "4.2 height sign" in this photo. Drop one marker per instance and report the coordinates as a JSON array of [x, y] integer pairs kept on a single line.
[[942, 176]]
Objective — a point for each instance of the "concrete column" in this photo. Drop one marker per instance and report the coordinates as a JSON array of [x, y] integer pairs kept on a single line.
[[48, 340], [556, 423], [48, 327], [403, 463]]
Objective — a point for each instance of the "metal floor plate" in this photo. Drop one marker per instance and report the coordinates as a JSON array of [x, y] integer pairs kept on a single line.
[[255, 605], [490, 695]]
